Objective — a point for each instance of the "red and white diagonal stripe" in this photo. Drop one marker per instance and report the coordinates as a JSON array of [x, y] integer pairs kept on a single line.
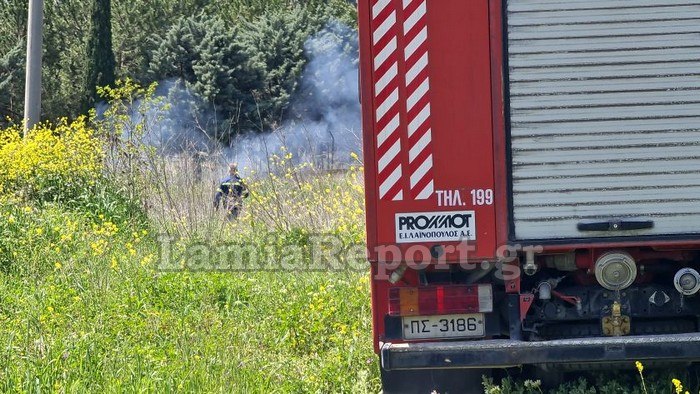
[[400, 45], [420, 155], [385, 39]]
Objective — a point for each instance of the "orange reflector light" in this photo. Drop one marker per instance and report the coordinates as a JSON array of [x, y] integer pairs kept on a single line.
[[440, 300]]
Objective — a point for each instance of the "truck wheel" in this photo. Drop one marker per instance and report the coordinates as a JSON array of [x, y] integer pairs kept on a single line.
[[426, 381]]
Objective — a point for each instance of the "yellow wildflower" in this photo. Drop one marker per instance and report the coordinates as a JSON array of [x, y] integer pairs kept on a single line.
[[69, 152], [678, 386], [640, 368], [147, 260]]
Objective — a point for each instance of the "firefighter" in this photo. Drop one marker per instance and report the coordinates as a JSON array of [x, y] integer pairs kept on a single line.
[[232, 190]]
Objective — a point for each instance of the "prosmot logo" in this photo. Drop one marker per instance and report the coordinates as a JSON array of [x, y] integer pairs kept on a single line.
[[435, 227]]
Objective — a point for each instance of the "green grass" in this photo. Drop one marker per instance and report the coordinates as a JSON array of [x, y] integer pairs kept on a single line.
[[81, 315]]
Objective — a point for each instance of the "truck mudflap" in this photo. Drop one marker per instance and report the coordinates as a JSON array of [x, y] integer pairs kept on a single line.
[[500, 353]]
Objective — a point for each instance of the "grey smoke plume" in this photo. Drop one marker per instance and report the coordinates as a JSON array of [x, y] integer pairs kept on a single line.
[[183, 124], [324, 126], [171, 121]]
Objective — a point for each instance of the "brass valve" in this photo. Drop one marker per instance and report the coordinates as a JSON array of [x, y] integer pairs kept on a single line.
[[616, 324]]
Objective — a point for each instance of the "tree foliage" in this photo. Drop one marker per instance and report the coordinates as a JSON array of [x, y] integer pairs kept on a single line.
[[211, 61], [277, 42], [11, 81], [101, 64], [239, 59]]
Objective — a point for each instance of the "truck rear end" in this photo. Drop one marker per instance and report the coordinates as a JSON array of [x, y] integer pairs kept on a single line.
[[533, 184]]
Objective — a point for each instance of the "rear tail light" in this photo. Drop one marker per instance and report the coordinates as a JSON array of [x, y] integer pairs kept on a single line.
[[440, 300]]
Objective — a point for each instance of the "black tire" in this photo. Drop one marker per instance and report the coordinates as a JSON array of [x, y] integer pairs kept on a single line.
[[426, 381]]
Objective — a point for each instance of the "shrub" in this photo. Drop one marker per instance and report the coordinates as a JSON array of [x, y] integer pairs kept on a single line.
[[295, 194], [210, 62], [53, 163], [277, 42]]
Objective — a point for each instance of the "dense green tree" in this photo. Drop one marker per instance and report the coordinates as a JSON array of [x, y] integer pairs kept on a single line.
[[100, 62], [138, 27], [277, 38], [277, 42], [226, 78], [11, 83], [178, 50], [215, 68], [271, 32], [249, 10], [13, 22], [66, 31]]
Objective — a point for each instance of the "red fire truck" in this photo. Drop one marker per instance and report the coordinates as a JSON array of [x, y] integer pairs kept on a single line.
[[533, 185]]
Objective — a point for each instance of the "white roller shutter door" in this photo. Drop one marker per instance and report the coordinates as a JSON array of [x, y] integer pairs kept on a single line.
[[604, 102]]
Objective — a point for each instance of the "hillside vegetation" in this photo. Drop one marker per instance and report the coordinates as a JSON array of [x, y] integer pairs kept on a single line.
[[241, 60], [90, 304]]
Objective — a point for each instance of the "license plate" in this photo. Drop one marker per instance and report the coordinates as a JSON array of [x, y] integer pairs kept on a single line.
[[444, 326]]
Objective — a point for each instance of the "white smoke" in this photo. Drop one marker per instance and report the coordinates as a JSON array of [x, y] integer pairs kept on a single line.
[[324, 127], [181, 124], [171, 121]]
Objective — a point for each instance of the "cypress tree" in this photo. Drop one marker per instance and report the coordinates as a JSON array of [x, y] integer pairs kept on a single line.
[[178, 50], [276, 40], [101, 63], [211, 63]]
